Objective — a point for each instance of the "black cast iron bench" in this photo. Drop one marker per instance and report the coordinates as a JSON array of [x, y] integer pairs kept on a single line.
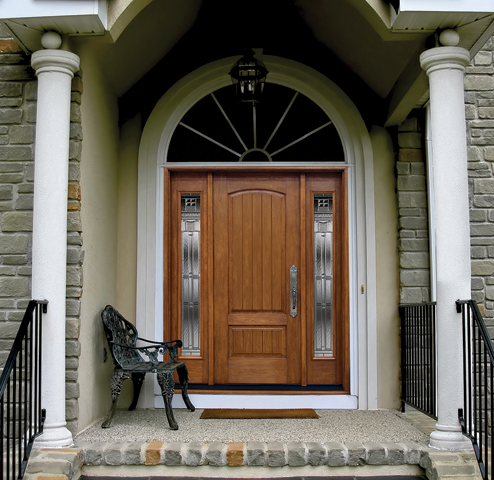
[[132, 361]]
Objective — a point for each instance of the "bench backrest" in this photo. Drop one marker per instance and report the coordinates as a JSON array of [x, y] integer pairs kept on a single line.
[[120, 332]]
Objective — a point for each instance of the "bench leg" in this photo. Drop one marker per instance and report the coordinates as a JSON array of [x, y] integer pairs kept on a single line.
[[137, 379], [167, 385], [116, 387], [183, 377]]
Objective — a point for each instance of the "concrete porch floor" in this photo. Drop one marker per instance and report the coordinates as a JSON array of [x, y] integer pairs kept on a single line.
[[349, 442]]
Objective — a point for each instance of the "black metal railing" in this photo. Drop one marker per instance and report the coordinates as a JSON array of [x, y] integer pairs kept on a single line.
[[20, 395], [476, 417], [418, 357]]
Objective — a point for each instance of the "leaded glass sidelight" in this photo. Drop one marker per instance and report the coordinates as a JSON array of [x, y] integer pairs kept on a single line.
[[323, 275], [190, 225]]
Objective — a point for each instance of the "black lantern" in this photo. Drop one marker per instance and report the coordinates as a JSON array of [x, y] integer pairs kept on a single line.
[[248, 76]]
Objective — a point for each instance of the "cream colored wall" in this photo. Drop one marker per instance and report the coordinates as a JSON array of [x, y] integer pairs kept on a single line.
[[127, 218], [387, 275], [99, 173]]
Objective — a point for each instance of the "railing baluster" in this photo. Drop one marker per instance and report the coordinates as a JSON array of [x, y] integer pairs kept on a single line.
[[20, 396], [418, 340]]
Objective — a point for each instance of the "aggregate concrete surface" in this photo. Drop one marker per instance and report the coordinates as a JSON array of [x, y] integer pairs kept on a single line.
[[345, 426]]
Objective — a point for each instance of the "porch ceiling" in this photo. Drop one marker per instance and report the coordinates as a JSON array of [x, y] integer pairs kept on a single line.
[[360, 37]]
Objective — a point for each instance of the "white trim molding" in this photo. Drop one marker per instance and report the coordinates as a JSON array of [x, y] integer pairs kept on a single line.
[[358, 157]]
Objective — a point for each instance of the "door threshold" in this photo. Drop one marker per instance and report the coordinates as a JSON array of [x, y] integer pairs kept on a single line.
[[254, 388], [265, 400]]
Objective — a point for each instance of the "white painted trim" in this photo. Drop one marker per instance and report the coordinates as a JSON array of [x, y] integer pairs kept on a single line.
[[321, 402], [359, 158]]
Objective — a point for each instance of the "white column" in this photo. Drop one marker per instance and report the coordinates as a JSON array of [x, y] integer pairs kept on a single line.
[[445, 67], [55, 69]]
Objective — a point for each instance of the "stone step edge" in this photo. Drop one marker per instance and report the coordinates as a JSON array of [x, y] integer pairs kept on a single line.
[[66, 464]]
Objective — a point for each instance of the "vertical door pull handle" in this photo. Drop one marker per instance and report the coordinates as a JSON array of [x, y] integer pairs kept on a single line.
[[293, 291]]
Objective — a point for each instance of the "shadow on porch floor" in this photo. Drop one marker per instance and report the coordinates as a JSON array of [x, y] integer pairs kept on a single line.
[[345, 426]]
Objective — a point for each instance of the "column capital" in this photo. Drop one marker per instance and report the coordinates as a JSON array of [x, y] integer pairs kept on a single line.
[[444, 58], [55, 61]]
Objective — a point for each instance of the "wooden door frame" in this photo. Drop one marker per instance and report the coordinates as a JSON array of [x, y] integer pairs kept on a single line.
[[208, 273]]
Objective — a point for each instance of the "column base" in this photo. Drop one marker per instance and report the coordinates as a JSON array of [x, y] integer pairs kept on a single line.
[[54, 436], [448, 439]]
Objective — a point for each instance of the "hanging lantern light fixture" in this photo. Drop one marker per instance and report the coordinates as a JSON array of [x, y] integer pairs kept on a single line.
[[248, 76]]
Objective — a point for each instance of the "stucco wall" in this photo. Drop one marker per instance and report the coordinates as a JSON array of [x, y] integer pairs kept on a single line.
[[99, 174], [387, 276]]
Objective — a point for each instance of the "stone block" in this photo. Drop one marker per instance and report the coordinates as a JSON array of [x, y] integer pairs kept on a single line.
[[477, 215], [13, 244], [72, 348], [297, 454], [483, 186], [71, 409], [413, 223], [337, 454], [411, 183], [113, 454], [470, 112], [10, 102], [483, 201], [15, 260], [173, 454], [482, 230], [410, 155], [479, 82], [73, 307], [24, 201], [483, 58], [74, 276], [395, 454], [31, 91], [75, 149], [10, 89], [216, 454], [410, 140], [14, 152], [477, 283], [153, 453], [478, 252], [413, 244], [474, 154], [10, 115], [414, 260], [93, 453], [412, 453], [22, 134], [489, 154], [131, 453], [235, 454], [486, 112], [317, 454], [482, 267], [75, 113], [402, 167], [417, 168], [30, 112], [376, 453], [275, 452], [74, 172], [414, 278], [412, 199], [74, 223], [17, 222], [77, 84], [75, 255], [73, 292], [24, 270], [356, 454], [71, 376], [74, 191], [76, 131], [11, 178], [489, 292], [71, 390], [193, 456], [14, 287], [478, 296], [255, 454]]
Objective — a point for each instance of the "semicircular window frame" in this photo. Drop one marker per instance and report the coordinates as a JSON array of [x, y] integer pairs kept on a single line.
[[285, 127]]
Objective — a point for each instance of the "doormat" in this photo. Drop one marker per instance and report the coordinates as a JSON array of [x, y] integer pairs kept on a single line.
[[211, 413]]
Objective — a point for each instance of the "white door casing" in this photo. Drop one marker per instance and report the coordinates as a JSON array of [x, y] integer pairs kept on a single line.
[[358, 157]]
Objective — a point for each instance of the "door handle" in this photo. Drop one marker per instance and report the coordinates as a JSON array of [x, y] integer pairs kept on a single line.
[[293, 291]]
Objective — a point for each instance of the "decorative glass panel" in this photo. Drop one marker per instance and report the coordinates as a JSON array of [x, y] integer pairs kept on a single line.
[[323, 275], [191, 274]]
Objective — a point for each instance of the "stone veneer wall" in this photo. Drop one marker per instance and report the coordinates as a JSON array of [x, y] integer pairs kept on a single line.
[[479, 100], [413, 232], [18, 88]]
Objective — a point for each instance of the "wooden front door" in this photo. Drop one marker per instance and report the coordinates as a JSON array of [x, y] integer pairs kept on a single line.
[[270, 303]]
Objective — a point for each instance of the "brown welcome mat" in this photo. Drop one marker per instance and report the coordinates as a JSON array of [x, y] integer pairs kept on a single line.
[[210, 413]]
